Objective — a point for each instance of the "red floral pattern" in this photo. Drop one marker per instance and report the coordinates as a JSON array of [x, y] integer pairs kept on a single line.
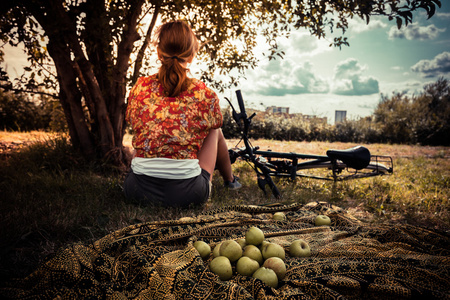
[[171, 127]]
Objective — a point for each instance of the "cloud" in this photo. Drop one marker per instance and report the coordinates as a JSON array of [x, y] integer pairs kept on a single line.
[[349, 79], [301, 43], [283, 77], [443, 15], [357, 25], [415, 32], [439, 65]]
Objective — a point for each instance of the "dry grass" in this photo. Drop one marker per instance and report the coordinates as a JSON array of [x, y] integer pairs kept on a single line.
[[52, 197]]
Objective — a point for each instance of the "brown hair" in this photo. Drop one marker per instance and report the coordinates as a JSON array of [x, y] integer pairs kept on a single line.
[[176, 44]]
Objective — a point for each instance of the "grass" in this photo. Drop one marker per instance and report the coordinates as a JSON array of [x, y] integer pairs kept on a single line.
[[51, 197]]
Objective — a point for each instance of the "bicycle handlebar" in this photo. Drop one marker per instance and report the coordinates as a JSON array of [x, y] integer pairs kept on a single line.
[[240, 101]]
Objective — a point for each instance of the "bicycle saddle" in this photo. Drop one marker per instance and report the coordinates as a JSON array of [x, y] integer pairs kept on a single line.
[[357, 157]]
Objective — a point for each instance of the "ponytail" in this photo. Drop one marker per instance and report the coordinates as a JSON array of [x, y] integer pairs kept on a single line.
[[176, 46]]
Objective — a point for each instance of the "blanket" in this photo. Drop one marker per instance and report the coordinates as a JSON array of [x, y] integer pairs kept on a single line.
[[350, 259]]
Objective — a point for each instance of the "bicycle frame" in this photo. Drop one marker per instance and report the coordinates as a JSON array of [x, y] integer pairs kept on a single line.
[[357, 161]]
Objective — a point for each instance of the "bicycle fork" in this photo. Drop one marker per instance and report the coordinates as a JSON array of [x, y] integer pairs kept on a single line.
[[263, 177]]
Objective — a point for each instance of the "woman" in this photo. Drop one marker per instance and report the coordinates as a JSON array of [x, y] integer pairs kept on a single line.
[[176, 122]]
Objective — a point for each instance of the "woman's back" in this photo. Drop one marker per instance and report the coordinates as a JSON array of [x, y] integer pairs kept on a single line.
[[171, 127]]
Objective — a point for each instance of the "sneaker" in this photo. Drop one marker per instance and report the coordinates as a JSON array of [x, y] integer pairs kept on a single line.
[[233, 185]]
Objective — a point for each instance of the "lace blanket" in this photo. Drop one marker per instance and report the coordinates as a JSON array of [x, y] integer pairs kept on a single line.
[[156, 260]]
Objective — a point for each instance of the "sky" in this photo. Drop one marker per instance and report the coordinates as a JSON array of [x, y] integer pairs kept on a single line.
[[316, 79]]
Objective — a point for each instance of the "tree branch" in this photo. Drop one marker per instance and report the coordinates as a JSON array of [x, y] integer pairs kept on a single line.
[[140, 56], [17, 90]]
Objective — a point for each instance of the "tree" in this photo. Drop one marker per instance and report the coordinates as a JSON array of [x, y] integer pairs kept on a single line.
[[423, 118], [97, 47], [396, 117], [432, 122]]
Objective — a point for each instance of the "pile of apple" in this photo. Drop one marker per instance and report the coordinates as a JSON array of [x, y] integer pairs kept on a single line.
[[253, 256]]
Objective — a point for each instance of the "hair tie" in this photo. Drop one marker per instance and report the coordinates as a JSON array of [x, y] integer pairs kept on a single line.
[[175, 57]]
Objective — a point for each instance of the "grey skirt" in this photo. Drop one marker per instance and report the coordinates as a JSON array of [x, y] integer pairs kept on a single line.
[[147, 190]]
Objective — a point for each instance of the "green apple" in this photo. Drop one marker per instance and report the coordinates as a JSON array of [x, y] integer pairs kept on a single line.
[[267, 275], [216, 250], [242, 243], [279, 216], [273, 250], [246, 266], [277, 265], [254, 236], [221, 266], [254, 253], [203, 248], [299, 248], [322, 220], [263, 245], [231, 249]]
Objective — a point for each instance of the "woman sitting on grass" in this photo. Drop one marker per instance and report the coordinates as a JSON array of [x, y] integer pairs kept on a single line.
[[176, 122]]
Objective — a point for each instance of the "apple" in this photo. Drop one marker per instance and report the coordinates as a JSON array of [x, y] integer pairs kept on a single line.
[[216, 251], [277, 265], [231, 249], [203, 249], [267, 275], [221, 266], [299, 248], [242, 243], [279, 216], [322, 220], [254, 236], [263, 245], [273, 250], [246, 266], [254, 253]]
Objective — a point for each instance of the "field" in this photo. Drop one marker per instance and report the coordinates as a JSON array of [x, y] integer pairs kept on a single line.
[[51, 197]]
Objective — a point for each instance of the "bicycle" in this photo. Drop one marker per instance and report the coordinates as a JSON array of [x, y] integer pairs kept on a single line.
[[352, 163]]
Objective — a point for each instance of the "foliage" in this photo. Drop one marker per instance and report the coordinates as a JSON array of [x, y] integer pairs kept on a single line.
[[89, 44], [432, 122], [20, 113], [418, 119]]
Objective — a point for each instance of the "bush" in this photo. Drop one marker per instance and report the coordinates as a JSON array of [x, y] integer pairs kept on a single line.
[[400, 119], [21, 113], [422, 119]]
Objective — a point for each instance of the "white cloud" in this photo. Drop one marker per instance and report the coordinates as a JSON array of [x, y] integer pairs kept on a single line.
[[301, 43], [349, 79], [357, 25], [438, 66], [287, 77], [415, 32], [408, 86], [443, 15]]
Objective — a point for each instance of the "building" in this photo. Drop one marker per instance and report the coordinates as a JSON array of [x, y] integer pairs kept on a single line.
[[340, 116], [285, 112], [277, 110]]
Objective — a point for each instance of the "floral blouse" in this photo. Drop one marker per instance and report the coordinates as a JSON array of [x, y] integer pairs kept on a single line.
[[171, 127]]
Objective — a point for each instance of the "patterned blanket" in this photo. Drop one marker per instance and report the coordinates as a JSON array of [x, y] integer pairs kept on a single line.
[[156, 260]]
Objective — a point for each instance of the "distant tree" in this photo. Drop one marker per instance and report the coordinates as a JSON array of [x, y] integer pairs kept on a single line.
[[20, 113], [423, 118], [432, 122], [97, 47], [396, 117]]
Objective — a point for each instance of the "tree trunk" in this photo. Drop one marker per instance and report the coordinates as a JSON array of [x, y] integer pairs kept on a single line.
[[70, 98], [105, 139], [118, 92], [100, 82]]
